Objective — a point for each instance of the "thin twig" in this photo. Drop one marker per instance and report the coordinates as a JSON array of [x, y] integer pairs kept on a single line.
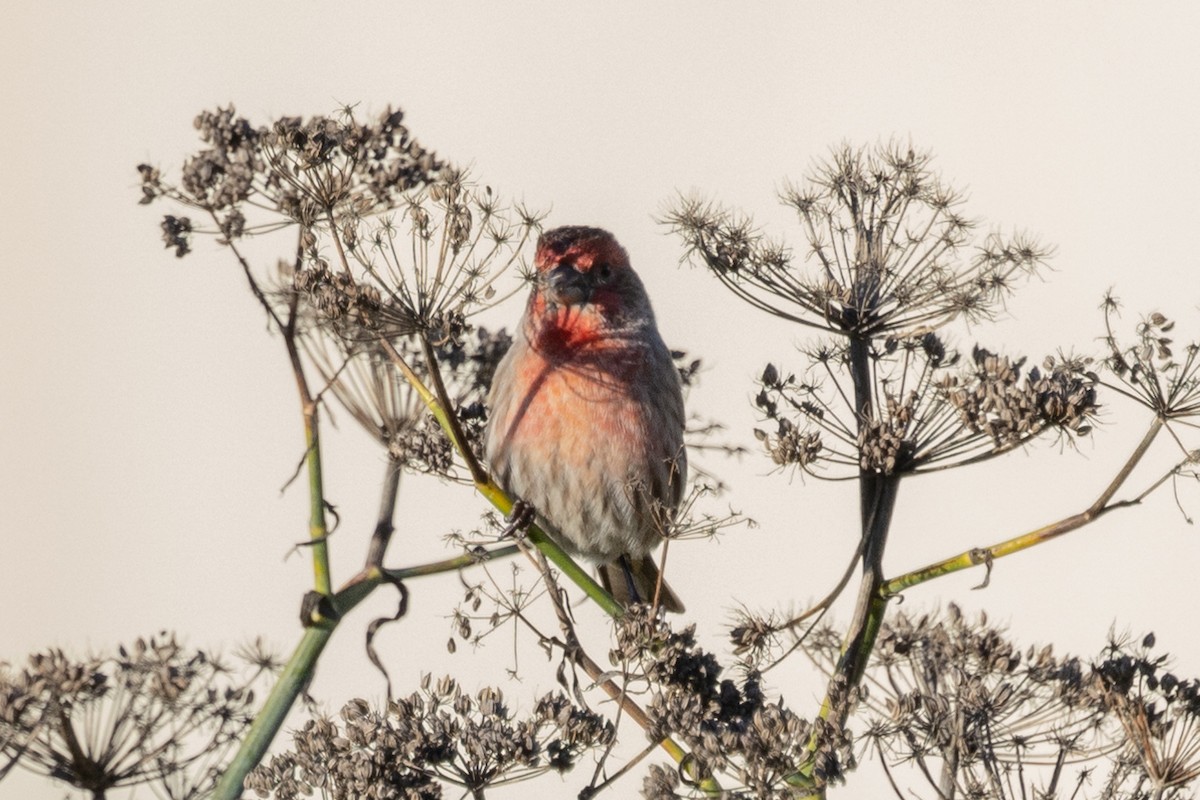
[[580, 657], [986, 555]]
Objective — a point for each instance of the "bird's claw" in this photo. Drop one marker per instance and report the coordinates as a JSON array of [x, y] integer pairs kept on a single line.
[[519, 520]]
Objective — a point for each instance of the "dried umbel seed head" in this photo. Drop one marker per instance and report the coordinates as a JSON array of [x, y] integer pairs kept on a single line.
[[920, 410], [439, 733], [338, 158], [995, 400], [177, 233], [153, 713], [421, 445], [882, 446], [223, 175], [338, 298], [729, 726], [1158, 711], [791, 445], [151, 183], [753, 635], [1154, 369], [959, 691], [885, 249]]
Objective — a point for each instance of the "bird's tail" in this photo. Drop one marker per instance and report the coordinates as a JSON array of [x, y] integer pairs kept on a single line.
[[637, 580]]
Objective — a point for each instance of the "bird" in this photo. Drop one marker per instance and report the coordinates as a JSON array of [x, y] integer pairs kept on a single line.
[[586, 413]]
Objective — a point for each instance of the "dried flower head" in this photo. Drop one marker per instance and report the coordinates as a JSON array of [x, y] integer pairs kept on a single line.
[[1155, 370], [154, 713], [437, 735], [885, 249], [365, 382], [1158, 711], [730, 728], [976, 715], [995, 402], [427, 267], [926, 411], [341, 164], [298, 168]]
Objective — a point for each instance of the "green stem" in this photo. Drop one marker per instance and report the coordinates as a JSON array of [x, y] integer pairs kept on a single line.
[[312, 441], [292, 680], [449, 419], [362, 584], [986, 555], [555, 554], [317, 529], [877, 499], [300, 666]]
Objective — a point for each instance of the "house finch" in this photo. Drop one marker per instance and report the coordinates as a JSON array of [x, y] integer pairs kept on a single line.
[[586, 421]]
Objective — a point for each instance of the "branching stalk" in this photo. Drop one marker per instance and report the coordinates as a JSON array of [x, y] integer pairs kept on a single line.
[[579, 656], [300, 667], [296, 675], [877, 499], [986, 555], [317, 528], [384, 527]]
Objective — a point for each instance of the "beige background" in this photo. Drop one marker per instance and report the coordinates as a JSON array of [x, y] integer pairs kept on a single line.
[[147, 421]]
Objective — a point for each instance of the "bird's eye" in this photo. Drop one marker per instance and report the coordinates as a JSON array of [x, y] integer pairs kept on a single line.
[[603, 272]]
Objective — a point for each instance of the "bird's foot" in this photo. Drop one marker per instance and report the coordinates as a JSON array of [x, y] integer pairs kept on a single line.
[[519, 520]]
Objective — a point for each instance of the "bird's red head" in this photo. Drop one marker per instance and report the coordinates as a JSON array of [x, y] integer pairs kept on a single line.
[[576, 263], [582, 247], [586, 290]]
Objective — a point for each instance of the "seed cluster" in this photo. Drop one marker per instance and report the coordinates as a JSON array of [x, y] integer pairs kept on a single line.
[[1154, 370], [154, 713], [973, 710], [339, 299], [730, 728], [791, 445], [886, 249], [996, 402], [435, 736]]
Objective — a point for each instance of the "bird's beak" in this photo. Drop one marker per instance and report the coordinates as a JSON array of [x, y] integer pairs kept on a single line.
[[567, 286]]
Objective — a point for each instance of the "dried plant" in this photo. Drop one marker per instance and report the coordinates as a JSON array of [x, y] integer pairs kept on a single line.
[[976, 715], [362, 377], [888, 263], [424, 269], [436, 736], [885, 249], [753, 745], [1159, 714], [392, 252], [250, 180], [1149, 371], [155, 713], [931, 413]]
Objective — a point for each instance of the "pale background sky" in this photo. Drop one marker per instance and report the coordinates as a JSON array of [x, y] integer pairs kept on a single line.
[[147, 421]]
